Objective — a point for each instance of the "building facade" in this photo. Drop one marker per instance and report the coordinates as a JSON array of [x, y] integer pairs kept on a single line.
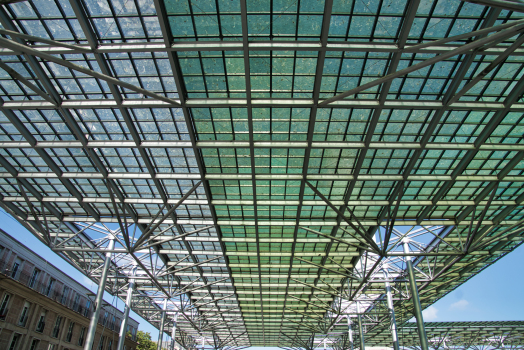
[[42, 308]]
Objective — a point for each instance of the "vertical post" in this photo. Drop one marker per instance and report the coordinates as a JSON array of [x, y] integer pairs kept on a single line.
[[125, 317], [90, 338], [416, 299], [350, 334], [173, 333], [360, 328], [389, 298], [162, 325]]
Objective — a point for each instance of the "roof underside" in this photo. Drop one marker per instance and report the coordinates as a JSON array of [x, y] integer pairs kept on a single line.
[[293, 144]]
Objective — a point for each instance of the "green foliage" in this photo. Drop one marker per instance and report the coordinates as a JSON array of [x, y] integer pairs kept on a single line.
[[144, 341]]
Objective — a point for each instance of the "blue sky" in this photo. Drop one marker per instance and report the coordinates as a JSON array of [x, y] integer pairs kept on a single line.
[[493, 295]]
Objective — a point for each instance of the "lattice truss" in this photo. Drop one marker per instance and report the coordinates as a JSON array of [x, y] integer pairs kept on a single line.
[[447, 335], [261, 162]]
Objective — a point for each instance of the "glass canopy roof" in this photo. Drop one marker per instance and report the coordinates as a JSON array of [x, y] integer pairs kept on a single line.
[[263, 161]]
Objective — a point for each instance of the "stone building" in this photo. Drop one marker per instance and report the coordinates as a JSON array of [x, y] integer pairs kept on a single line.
[[42, 308]]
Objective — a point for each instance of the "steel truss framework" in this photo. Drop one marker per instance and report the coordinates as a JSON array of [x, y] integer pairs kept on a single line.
[[266, 167], [450, 335]]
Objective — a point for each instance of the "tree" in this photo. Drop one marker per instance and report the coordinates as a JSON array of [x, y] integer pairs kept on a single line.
[[144, 341]]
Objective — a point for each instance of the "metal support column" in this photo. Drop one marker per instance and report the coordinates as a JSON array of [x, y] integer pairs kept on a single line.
[[123, 325], [162, 325], [415, 298], [173, 333], [391, 309], [360, 328], [90, 338], [350, 334]]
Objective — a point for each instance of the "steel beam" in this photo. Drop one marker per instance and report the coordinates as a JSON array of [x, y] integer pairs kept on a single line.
[[289, 177], [90, 337], [127, 308], [162, 325], [260, 145], [259, 102], [57, 48], [360, 328], [393, 321], [350, 333], [173, 332], [415, 298]]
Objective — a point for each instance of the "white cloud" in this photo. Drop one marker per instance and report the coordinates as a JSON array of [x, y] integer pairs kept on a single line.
[[430, 314], [462, 304]]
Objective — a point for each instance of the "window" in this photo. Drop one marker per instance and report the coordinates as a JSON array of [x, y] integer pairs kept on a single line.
[[65, 294], [104, 320], [24, 314], [50, 285], [82, 335], [41, 322], [76, 302], [14, 342], [51, 347], [56, 329], [88, 305], [113, 321], [110, 344], [34, 278], [101, 344], [3, 306], [70, 332], [16, 267], [34, 344]]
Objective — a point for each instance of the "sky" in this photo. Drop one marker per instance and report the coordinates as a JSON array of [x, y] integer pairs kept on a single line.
[[493, 295]]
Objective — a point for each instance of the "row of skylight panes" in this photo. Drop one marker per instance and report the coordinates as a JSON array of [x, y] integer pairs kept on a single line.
[[291, 124], [150, 71], [175, 161], [113, 19], [102, 124], [363, 190], [276, 74], [107, 210], [418, 191], [350, 20], [289, 161], [448, 212], [284, 74], [284, 20]]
